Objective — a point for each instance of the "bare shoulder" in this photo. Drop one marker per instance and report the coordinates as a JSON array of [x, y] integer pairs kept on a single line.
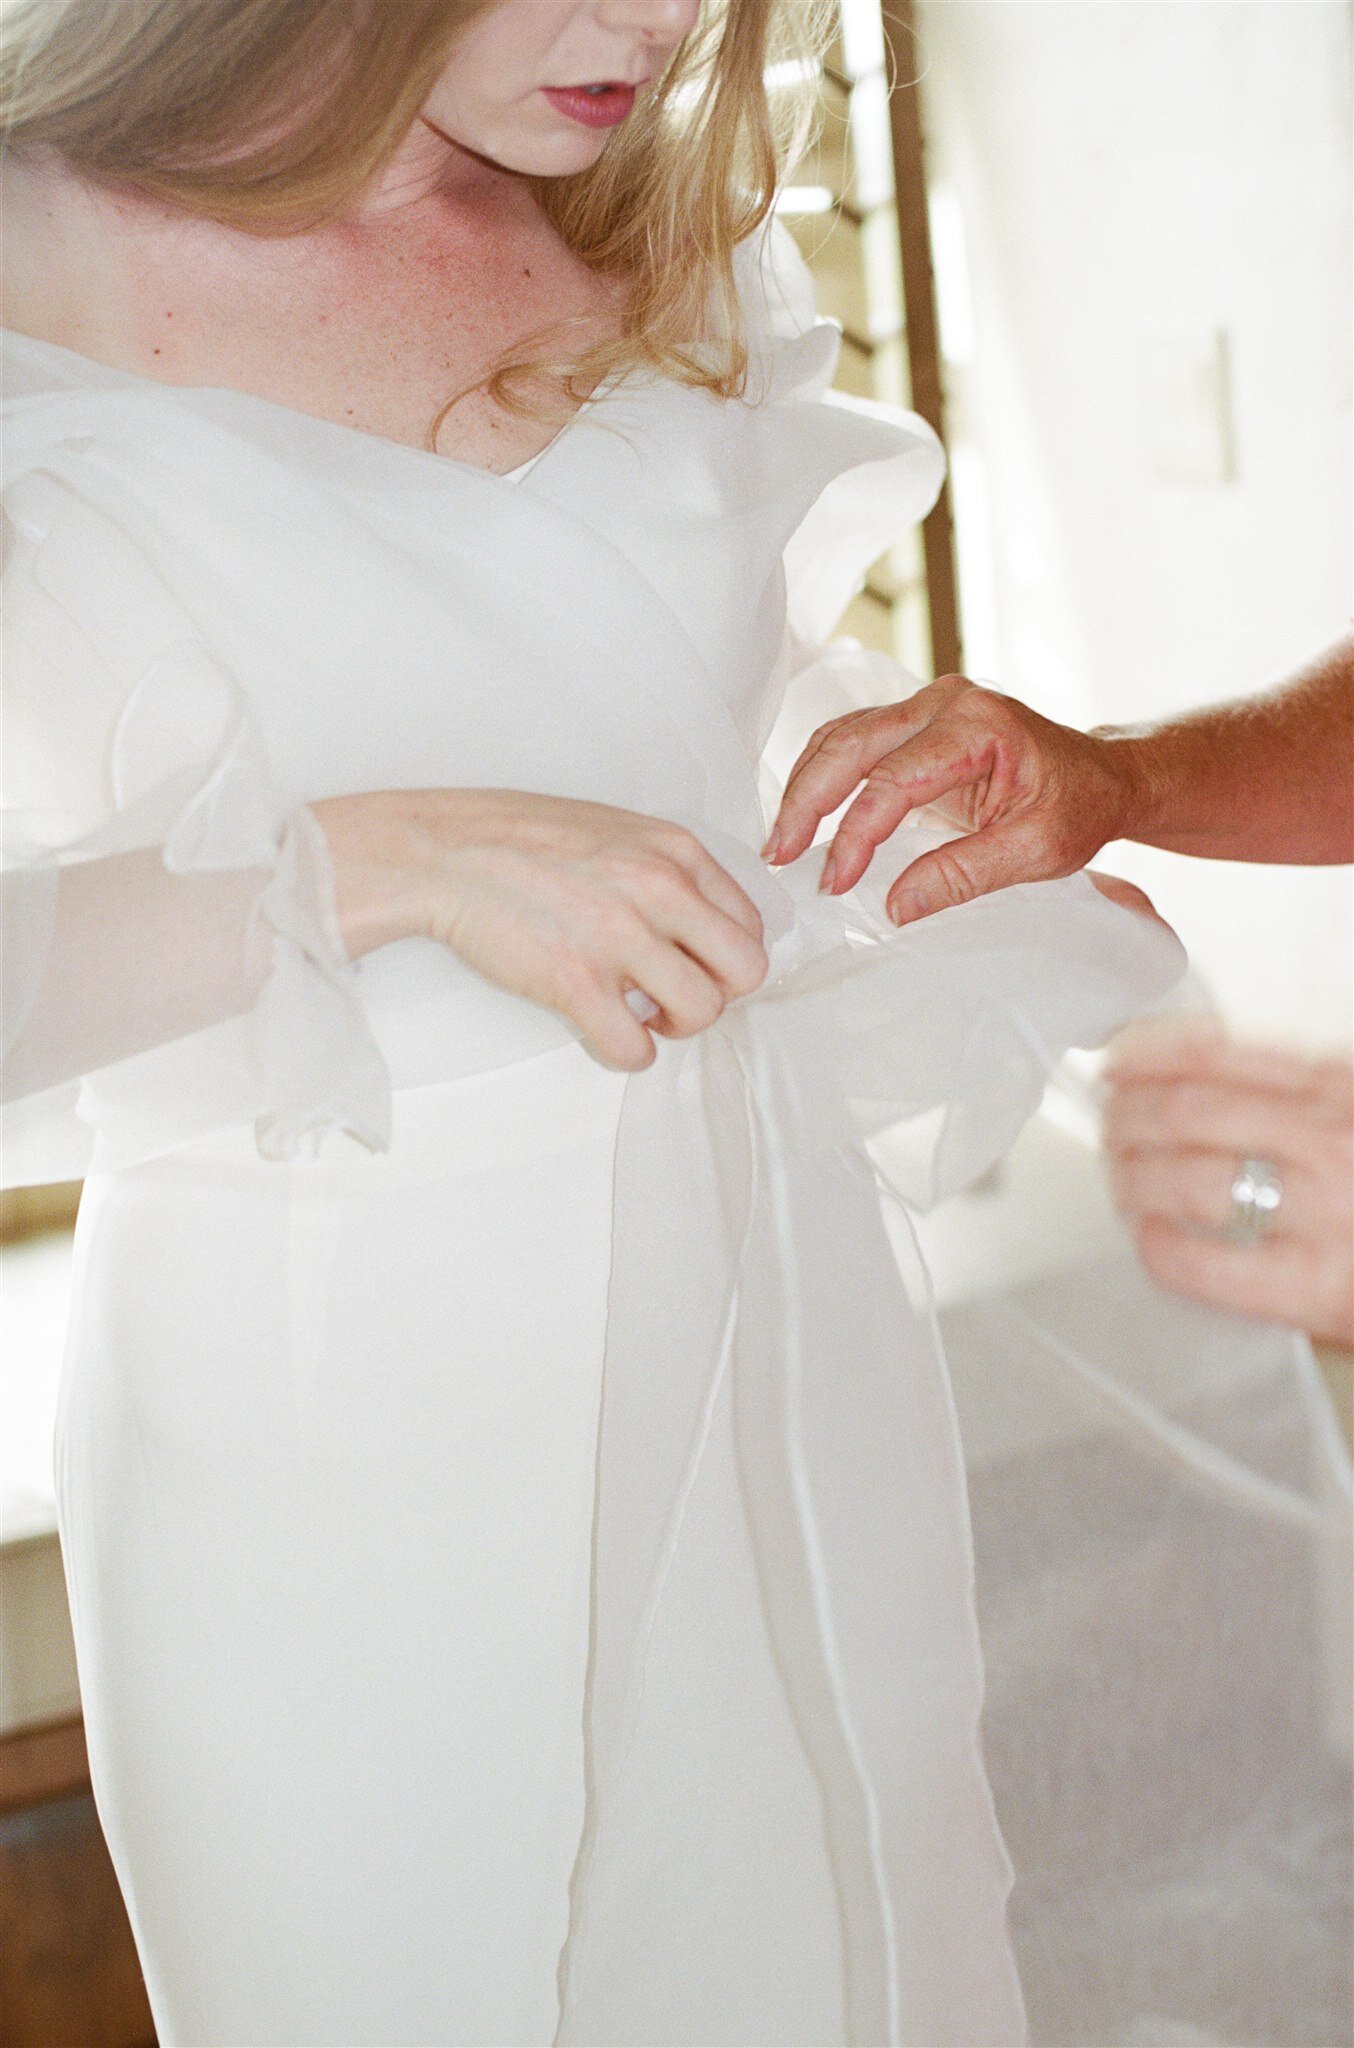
[[39, 224], [372, 327], [66, 277]]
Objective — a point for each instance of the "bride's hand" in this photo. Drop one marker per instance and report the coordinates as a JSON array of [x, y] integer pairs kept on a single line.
[[570, 904]]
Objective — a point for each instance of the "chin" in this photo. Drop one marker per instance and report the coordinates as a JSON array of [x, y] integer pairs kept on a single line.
[[548, 156]]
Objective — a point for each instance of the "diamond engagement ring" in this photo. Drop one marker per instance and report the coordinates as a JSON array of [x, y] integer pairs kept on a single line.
[[1257, 1192]]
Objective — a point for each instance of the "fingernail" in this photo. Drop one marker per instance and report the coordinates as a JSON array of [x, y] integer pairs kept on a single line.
[[897, 908], [828, 876], [772, 847]]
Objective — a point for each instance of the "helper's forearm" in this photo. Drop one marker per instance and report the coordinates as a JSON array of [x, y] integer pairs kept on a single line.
[[1270, 778]]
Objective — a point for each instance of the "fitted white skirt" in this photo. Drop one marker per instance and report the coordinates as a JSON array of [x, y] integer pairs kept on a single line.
[[524, 1590], [326, 1469]]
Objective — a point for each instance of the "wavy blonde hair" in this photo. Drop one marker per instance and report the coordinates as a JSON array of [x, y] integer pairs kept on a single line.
[[193, 102]]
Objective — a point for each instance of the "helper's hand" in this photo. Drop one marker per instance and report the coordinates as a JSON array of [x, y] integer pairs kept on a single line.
[[573, 905], [1038, 799], [1188, 1109]]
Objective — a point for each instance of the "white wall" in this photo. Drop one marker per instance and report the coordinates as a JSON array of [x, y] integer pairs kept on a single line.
[[1125, 170]]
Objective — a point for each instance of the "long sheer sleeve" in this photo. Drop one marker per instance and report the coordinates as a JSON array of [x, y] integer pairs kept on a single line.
[[172, 961]]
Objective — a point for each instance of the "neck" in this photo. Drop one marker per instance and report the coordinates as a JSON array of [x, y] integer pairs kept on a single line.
[[428, 165]]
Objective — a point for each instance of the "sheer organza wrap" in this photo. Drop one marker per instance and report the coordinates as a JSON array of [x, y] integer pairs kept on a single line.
[[1157, 1497]]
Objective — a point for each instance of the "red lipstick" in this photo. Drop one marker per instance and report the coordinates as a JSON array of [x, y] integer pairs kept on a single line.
[[598, 106]]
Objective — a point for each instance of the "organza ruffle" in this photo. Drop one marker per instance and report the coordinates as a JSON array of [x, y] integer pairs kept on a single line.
[[127, 738]]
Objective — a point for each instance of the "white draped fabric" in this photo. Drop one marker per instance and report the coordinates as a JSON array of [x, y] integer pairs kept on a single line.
[[521, 1555]]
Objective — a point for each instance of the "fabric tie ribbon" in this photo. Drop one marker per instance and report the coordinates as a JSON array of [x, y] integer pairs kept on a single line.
[[729, 1299]]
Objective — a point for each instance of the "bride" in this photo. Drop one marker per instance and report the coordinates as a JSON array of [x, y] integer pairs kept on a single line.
[[514, 1521]]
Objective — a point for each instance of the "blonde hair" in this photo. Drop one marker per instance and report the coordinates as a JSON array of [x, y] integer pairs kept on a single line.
[[194, 103]]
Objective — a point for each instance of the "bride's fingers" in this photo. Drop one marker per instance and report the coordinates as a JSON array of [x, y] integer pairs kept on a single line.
[[682, 914], [590, 999], [714, 882], [670, 904], [730, 899], [838, 757], [688, 998]]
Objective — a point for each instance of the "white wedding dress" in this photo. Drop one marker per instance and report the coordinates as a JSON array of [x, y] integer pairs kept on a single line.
[[514, 1513]]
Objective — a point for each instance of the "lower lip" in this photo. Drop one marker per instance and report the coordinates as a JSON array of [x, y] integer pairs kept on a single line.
[[592, 109]]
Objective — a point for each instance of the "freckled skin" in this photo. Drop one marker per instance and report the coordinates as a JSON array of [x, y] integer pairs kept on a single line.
[[374, 327], [376, 320]]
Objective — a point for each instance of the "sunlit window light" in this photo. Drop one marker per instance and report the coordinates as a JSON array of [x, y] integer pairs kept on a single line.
[[805, 199], [792, 71], [862, 36], [871, 142], [975, 558], [687, 94], [776, 78], [954, 295]]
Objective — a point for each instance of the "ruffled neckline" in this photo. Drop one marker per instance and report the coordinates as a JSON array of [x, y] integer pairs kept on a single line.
[[792, 351], [89, 373]]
